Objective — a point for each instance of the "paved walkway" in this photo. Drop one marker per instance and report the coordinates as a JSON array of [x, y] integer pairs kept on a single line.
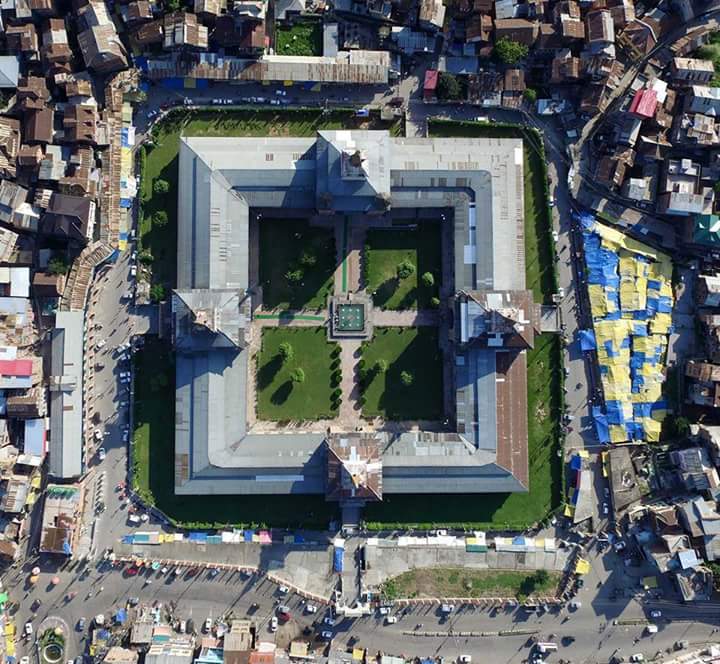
[[299, 318], [407, 318], [349, 416]]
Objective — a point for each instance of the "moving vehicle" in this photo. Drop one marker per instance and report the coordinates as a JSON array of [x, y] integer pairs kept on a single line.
[[80, 624]]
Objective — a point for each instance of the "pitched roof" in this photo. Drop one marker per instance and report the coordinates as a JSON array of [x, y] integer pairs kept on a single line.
[[9, 71]]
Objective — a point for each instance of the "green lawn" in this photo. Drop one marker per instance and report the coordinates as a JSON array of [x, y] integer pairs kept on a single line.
[[154, 462], [386, 249], [305, 37], [711, 51], [278, 398], [460, 582], [412, 350], [161, 161], [293, 248]]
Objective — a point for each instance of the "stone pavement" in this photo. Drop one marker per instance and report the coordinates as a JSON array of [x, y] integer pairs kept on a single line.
[[406, 318], [349, 417]]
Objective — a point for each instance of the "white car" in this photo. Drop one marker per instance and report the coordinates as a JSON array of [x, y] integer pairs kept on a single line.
[[208, 624], [101, 454], [273, 624], [606, 509], [637, 657], [390, 620], [329, 621], [284, 590], [310, 608], [100, 344], [555, 236], [656, 614], [465, 659], [98, 434], [124, 374], [384, 610], [126, 436], [133, 270], [28, 629], [125, 379], [123, 404], [326, 635], [99, 620]]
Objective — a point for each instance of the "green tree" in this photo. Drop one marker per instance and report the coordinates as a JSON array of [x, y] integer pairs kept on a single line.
[[428, 280], [434, 302], [297, 376], [157, 293], [530, 95], [294, 276], [161, 186], [405, 269], [682, 427], [58, 265], [449, 87], [286, 351], [541, 578], [406, 378], [381, 366], [308, 259], [508, 51], [145, 257], [160, 218]]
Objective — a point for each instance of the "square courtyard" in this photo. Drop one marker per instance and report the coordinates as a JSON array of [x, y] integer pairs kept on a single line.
[[351, 317], [297, 262], [414, 351], [387, 248], [280, 399]]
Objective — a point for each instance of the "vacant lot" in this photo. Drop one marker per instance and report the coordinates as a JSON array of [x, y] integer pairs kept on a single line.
[[459, 582], [154, 462], [304, 37], [412, 352], [279, 397], [297, 262], [160, 161], [387, 250]]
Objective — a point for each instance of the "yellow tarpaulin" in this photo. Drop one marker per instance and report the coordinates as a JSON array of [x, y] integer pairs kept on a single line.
[[582, 566], [358, 654]]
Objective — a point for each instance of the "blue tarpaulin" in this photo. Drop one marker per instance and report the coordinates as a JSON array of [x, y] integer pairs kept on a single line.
[[200, 538], [299, 539], [601, 425], [338, 559], [576, 462], [120, 616], [248, 535], [587, 340]]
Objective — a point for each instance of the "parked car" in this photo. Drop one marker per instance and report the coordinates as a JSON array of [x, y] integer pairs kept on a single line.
[[637, 657], [283, 590], [326, 636], [384, 610], [465, 659], [28, 631], [283, 613], [208, 624], [390, 620], [98, 434], [310, 608], [81, 624], [101, 454], [273, 624], [329, 621], [655, 614]]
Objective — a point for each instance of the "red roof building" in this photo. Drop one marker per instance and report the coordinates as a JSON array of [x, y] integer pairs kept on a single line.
[[430, 85], [644, 103]]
